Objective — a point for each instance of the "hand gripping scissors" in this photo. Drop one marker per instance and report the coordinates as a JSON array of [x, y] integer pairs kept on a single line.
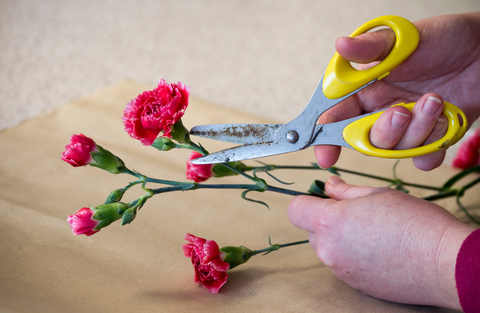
[[339, 82]]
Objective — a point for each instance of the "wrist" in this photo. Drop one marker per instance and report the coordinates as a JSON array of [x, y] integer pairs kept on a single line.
[[452, 240]]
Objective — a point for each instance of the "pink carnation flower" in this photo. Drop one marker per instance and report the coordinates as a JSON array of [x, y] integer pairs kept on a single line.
[[155, 111], [208, 262], [198, 172], [468, 154], [82, 222], [77, 152]]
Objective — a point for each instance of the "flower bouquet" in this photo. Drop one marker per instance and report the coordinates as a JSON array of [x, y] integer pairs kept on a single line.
[[155, 119]]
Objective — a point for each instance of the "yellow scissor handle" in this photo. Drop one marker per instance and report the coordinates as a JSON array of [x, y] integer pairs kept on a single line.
[[357, 134], [341, 78]]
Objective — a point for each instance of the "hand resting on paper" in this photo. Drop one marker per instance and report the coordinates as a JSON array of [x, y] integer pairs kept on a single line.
[[384, 242]]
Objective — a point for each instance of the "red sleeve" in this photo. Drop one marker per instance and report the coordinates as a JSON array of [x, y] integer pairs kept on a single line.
[[467, 273]]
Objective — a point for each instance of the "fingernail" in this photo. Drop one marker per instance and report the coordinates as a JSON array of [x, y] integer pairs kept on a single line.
[[399, 119], [335, 180], [441, 122], [431, 106]]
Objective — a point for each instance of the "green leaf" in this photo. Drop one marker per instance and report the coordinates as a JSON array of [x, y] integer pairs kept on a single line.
[[395, 170], [317, 188], [464, 209], [401, 188], [459, 176], [278, 180], [251, 200], [333, 170]]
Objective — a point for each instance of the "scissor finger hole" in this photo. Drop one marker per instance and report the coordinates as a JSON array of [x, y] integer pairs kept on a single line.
[[460, 119]]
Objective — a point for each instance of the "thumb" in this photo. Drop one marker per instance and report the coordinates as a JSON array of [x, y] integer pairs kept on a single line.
[[367, 47], [337, 189]]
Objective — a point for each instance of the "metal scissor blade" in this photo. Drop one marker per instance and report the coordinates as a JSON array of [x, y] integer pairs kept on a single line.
[[332, 134], [245, 152], [327, 134], [243, 134]]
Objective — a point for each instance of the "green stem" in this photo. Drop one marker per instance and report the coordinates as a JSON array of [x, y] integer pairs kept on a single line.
[[471, 184], [226, 186], [193, 186], [132, 184], [464, 209], [393, 181], [277, 246], [240, 172], [165, 182], [130, 172], [193, 146], [453, 191], [290, 192], [442, 195]]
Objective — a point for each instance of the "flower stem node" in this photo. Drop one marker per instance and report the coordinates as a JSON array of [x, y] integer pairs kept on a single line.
[[106, 160], [236, 255]]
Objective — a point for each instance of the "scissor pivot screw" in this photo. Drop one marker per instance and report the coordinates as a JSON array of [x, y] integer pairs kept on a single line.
[[292, 136]]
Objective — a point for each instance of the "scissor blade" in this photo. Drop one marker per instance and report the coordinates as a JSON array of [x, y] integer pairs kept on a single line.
[[243, 134], [332, 134], [252, 151], [245, 152]]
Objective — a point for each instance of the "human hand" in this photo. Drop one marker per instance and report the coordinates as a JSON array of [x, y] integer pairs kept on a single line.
[[383, 242], [446, 63]]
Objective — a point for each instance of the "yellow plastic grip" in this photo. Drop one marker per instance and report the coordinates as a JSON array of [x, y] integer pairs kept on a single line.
[[341, 78], [357, 134]]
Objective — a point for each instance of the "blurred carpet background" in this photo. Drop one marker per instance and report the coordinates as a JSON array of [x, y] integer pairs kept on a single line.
[[263, 56]]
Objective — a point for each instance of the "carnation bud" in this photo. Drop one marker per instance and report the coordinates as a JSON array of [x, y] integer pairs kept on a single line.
[[128, 216], [180, 133], [236, 255], [109, 213], [106, 160], [220, 171], [115, 196], [163, 144]]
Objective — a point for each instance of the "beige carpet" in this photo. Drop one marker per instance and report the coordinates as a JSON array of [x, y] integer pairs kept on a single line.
[[263, 56]]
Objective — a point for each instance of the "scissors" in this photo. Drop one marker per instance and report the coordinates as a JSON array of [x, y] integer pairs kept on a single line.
[[340, 81]]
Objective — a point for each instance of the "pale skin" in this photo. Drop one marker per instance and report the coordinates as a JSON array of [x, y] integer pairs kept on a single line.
[[383, 242]]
